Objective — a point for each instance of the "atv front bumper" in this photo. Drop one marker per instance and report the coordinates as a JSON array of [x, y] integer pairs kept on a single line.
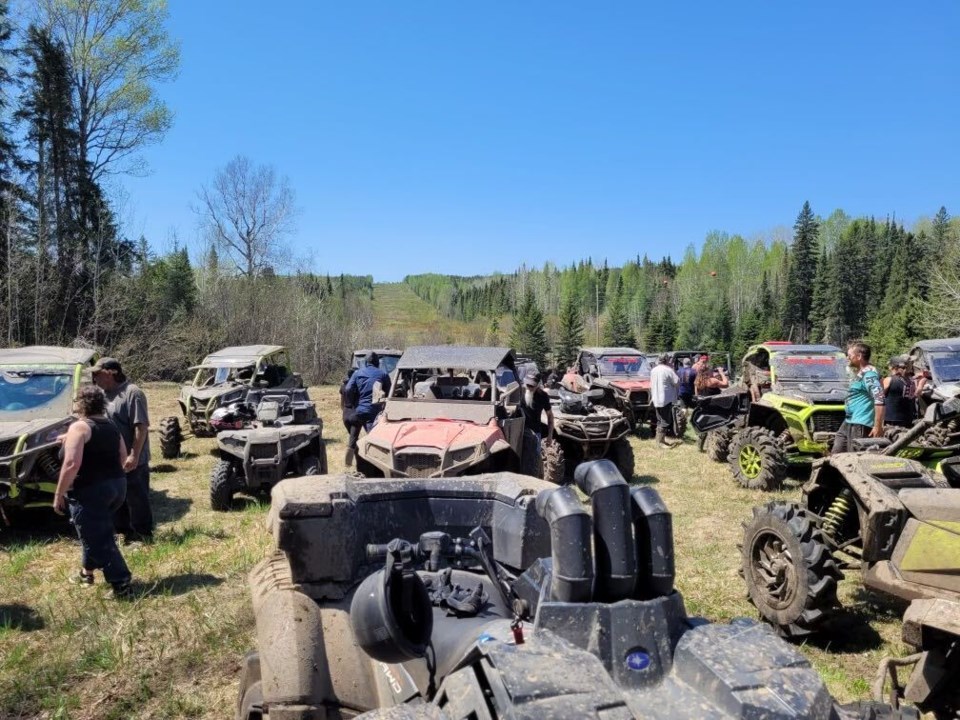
[[23, 481]]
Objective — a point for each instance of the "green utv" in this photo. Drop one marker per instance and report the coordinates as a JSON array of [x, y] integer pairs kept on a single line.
[[785, 411], [37, 388], [224, 378]]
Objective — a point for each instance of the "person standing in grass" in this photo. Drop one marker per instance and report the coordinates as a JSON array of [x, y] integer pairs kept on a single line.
[[92, 485], [663, 393]]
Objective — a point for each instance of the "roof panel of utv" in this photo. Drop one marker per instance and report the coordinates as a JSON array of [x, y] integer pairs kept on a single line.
[[46, 355], [942, 345], [803, 349], [612, 351], [240, 355], [454, 356], [382, 352]]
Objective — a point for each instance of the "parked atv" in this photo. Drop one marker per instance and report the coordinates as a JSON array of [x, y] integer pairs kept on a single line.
[[276, 433], [222, 379], [785, 411], [939, 362], [894, 520], [38, 385], [624, 376], [499, 596], [590, 432], [449, 412]]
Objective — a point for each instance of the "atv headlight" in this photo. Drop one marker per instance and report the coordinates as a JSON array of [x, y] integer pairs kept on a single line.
[[46, 436], [231, 397], [463, 455]]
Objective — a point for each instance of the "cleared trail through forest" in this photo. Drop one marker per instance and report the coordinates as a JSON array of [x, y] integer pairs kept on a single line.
[[397, 309]]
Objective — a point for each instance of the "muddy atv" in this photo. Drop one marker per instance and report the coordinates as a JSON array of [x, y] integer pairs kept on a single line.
[[222, 379], [498, 596], [624, 376], [939, 361], [590, 432], [38, 385], [449, 413], [286, 438], [892, 519], [784, 412]]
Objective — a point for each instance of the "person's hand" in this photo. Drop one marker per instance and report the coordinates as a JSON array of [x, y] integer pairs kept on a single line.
[[59, 504], [130, 464], [60, 438], [875, 432]]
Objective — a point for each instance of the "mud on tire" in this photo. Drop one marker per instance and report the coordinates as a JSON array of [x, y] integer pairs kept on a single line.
[[621, 453], [222, 482], [171, 437], [718, 444], [552, 462], [757, 459], [790, 574]]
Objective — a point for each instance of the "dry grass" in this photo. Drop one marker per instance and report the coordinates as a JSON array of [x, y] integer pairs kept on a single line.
[[69, 652]]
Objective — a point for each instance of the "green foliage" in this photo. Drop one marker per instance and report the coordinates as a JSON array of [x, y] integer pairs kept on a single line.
[[570, 337], [618, 331], [529, 337], [800, 278]]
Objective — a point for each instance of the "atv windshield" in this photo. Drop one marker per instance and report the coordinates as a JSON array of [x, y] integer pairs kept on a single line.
[[209, 376], [631, 365], [810, 369], [35, 393], [388, 363], [946, 367]]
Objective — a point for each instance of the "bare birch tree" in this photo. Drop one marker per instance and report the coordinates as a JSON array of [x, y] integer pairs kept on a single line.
[[248, 212]]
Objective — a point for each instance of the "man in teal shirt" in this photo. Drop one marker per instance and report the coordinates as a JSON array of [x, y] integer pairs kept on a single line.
[[864, 404]]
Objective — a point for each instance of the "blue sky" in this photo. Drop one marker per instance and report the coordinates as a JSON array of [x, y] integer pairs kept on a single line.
[[470, 137]]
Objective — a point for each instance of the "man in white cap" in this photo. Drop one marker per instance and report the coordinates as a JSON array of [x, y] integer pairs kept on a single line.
[[663, 394]]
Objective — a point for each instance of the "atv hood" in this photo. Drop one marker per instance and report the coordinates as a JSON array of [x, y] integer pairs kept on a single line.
[[813, 393], [440, 434], [946, 391], [15, 429], [631, 385]]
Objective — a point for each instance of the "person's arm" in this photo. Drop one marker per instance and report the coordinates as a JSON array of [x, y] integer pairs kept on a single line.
[[549, 425], [141, 428], [885, 383], [77, 435], [872, 382], [385, 384]]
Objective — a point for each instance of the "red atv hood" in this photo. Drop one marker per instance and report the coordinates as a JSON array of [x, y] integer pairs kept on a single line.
[[440, 434], [631, 385]]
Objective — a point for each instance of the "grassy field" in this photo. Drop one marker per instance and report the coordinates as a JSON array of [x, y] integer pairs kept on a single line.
[[71, 652], [399, 311]]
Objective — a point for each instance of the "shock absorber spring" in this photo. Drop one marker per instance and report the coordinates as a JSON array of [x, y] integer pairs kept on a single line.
[[837, 512]]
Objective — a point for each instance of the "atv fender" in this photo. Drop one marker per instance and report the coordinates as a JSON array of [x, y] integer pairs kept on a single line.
[[762, 415], [932, 626], [299, 641]]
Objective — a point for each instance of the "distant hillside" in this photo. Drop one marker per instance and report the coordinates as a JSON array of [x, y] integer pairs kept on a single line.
[[404, 319]]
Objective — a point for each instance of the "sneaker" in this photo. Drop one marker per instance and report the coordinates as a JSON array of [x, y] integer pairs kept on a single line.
[[82, 578], [123, 591]]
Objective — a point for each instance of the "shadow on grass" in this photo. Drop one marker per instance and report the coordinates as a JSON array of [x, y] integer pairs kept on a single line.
[[35, 525], [877, 605], [644, 480], [847, 631], [20, 617], [163, 468], [167, 508], [175, 585]]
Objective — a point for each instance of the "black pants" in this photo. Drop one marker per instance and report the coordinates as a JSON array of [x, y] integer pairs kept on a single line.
[[361, 420], [848, 432], [134, 519], [687, 399], [91, 511]]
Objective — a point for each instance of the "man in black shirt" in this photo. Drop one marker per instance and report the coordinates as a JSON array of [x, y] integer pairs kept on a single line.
[[533, 404]]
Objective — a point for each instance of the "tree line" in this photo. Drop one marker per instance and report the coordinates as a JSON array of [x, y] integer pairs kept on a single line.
[[837, 279]]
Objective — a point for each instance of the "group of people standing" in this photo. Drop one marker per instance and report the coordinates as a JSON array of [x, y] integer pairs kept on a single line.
[[104, 480]]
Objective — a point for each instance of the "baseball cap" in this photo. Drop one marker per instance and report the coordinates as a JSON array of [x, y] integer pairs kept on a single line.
[[898, 361], [107, 363]]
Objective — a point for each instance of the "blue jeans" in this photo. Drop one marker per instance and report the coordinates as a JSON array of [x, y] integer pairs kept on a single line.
[[91, 512], [134, 518]]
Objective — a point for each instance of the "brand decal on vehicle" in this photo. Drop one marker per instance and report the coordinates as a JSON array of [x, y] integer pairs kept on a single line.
[[638, 659], [392, 679]]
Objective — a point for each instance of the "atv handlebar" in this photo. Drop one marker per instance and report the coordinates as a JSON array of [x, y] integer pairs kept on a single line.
[[430, 549]]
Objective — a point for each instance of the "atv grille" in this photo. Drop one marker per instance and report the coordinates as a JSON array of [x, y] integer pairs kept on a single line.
[[639, 398], [263, 452], [7, 447], [199, 406], [418, 464], [826, 421]]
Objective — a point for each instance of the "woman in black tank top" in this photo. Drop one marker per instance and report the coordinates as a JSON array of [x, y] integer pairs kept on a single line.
[[93, 485], [900, 405]]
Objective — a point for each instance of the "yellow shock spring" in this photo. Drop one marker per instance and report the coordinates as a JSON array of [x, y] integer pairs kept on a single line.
[[834, 516]]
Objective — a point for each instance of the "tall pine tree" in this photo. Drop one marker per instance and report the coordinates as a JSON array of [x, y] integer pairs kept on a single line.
[[529, 337], [618, 330], [571, 331], [803, 270]]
